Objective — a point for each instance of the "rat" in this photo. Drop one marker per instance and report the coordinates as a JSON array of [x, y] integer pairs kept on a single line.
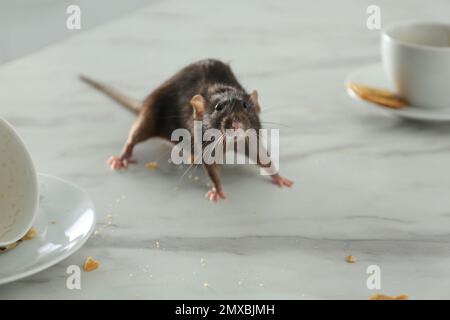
[[206, 91]]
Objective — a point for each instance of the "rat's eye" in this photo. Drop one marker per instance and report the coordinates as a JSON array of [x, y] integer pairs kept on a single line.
[[220, 106], [245, 105]]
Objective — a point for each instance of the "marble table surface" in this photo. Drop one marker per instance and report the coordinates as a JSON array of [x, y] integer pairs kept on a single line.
[[367, 184]]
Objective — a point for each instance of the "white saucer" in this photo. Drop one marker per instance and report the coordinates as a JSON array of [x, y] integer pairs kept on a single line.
[[65, 220], [374, 76]]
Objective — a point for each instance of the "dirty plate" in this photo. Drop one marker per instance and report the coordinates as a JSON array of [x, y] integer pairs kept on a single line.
[[65, 220], [374, 76]]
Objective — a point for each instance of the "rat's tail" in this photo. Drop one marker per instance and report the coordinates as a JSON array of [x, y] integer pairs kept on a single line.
[[132, 105]]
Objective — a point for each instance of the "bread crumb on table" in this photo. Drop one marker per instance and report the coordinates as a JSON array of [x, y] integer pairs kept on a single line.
[[151, 165], [350, 259], [383, 297], [90, 264]]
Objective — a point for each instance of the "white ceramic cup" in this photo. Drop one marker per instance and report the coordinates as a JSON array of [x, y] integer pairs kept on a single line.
[[416, 58], [19, 195]]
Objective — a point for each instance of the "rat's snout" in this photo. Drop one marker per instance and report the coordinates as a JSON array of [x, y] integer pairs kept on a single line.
[[236, 125], [233, 123]]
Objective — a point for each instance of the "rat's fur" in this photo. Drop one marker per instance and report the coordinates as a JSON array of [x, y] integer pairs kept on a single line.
[[206, 90]]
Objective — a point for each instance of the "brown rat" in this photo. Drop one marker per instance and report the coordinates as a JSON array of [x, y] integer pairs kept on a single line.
[[206, 90]]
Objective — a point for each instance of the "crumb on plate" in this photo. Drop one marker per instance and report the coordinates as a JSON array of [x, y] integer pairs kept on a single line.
[[30, 234], [380, 96], [350, 259]]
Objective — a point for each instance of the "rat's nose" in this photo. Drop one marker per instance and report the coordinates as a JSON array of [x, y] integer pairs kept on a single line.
[[236, 125]]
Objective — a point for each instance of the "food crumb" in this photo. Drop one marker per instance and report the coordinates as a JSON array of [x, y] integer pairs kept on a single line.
[[350, 259], [53, 222], [157, 244], [152, 165], [91, 264], [9, 247], [383, 297], [30, 234], [206, 285]]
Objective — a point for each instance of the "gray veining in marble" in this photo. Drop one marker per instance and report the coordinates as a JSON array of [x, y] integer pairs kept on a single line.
[[366, 184]]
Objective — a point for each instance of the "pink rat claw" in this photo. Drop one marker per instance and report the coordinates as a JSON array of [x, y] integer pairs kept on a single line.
[[282, 182], [117, 163], [214, 195]]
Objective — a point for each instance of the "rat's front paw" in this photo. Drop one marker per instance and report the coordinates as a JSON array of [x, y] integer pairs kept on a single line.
[[214, 195], [282, 182], [117, 163]]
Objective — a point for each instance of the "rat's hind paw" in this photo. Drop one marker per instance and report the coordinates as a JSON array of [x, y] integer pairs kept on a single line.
[[117, 163], [282, 182], [214, 195]]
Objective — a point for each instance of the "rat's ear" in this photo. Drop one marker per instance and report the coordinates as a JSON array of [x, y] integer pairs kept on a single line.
[[254, 98], [198, 103]]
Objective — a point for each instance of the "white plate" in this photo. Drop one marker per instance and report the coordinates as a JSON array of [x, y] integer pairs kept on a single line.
[[374, 76], [65, 220]]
